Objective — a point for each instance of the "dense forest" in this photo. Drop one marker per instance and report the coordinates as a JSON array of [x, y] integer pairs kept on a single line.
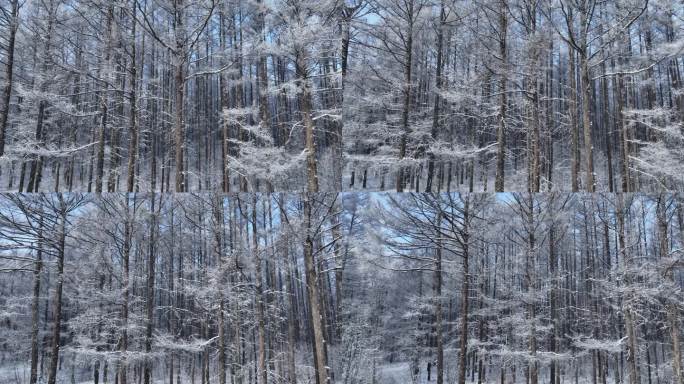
[[400, 95], [341, 288]]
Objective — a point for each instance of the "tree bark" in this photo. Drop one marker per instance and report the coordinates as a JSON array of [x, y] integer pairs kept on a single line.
[[405, 112], [7, 91], [151, 263], [586, 120], [125, 278], [104, 101], [313, 293], [261, 324], [438, 304], [438, 88], [503, 101], [572, 111], [671, 306], [309, 125], [133, 140], [463, 343], [179, 80], [35, 306], [223, 85], [626, 303], [57, 298]]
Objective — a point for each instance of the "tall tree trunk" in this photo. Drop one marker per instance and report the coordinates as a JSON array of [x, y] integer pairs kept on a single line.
[[586, 120], [125, 278], [217, 208], [133, 139], [627, 302], [104, 100], [624, 135], [35, 306], [179, 80], [438, 302], [291, 317], [304, 85], [534, 162], [224, 99], [503, 101], [261, 323], [408, 63], [530, 275], [554, 374], [438, 88], [671, 306], [313, 293], [57, 298], [463, 342], [7, 91], [572, 111], [151, 262], [37, 164], [262, 76]]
